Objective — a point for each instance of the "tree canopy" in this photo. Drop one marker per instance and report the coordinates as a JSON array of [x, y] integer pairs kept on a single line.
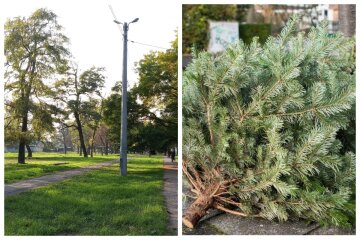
[[152, 104]]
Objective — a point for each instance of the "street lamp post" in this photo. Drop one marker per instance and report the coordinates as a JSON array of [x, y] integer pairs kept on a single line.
[[123, 139]]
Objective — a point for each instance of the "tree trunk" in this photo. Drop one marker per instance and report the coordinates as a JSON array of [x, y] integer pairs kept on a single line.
[[197, 210], [81, 136], [92, 142], [21, 155], [106, 148], [347, 19], [25, 96], [65, 145], [29, 151], [24, 124]]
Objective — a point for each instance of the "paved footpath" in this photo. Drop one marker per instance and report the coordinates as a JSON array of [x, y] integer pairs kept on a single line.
[[171, 192], [26, 185]]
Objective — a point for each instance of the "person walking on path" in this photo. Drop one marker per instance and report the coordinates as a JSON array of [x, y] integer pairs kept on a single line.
[[173, 155]]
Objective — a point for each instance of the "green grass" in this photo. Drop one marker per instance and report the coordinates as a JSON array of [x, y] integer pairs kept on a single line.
[[100, 202], [43, 164]]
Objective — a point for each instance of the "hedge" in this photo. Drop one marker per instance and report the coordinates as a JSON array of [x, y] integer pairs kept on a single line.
[[248, 31]]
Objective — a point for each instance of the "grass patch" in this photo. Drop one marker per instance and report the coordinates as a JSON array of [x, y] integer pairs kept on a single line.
[[43, 164], [100, 202]]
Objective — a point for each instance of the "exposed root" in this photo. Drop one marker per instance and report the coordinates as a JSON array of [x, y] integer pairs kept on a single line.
[[212, 192]]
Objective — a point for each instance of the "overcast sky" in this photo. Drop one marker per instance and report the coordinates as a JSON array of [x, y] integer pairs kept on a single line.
[[96, 39]]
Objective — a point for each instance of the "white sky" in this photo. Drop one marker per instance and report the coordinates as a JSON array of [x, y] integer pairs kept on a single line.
[[96, 40]]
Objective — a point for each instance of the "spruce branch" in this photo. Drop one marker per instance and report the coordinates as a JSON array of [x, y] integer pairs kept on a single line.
[[261, 129]]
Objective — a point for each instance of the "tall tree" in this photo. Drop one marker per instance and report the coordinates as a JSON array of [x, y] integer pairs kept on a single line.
[[64, 135], [92, 119], [75, 92], [102, 138], [35, 50]]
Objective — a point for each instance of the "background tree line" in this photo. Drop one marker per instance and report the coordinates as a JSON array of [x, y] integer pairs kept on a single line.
[[49, 99]]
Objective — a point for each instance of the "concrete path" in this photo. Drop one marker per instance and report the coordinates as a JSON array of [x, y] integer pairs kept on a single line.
[[171, 192], [26, 185]]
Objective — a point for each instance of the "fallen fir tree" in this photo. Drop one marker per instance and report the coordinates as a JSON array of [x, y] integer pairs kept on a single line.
[[261, 127]]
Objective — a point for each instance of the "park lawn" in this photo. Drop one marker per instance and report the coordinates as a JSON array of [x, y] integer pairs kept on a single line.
[[43, 164], [100, 202]]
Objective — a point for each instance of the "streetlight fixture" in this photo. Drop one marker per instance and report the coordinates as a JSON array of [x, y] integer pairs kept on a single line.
[[135, 20], [123, 140]]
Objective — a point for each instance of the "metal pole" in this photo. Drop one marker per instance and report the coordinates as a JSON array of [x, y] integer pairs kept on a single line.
[[123, 144]]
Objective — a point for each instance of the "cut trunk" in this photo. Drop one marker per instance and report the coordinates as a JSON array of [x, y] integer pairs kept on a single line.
[[29, 151], [197, 210]]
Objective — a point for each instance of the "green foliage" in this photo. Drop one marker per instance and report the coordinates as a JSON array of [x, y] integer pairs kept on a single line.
[[158, 91], [268, 119], [248, 31], [157, 87], [112, 117], [152, 104], [96, 203], [30, 46], [91, 81]]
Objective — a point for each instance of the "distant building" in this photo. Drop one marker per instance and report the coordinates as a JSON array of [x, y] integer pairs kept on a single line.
[[312, 14], [11, 148], [329, 12], [35, 146]]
